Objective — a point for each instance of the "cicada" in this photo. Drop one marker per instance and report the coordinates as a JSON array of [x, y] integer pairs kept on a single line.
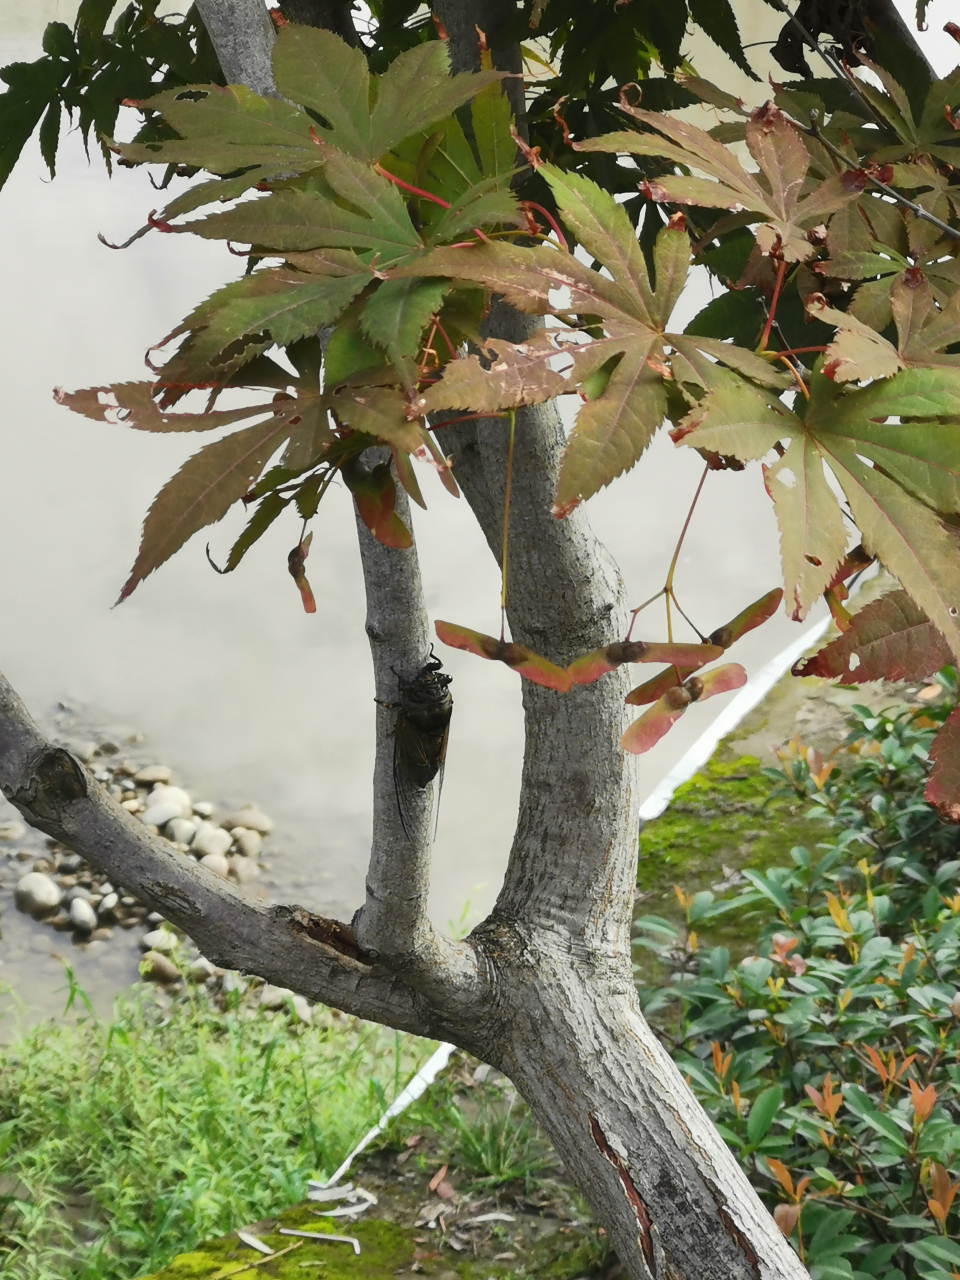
[[424, 706]]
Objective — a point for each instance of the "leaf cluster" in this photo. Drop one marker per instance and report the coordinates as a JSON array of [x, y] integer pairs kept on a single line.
[[86, 72], [829, 1057]]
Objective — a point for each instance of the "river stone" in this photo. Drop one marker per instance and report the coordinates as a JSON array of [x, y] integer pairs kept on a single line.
[[250, 843], [251, 818], [217, 863], [158, 815], [204, 808], [153, 773], [159, 940], [211, 839], [201, 969], [37, 893], [272, 997], [171, 795], [78, 891], [156, 967], [244, 869], [82, 915], [302, 1009], [108, 904], [181, 830], [12, 831]]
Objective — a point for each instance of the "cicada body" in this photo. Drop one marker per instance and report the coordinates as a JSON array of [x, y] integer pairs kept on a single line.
[[424, 706]]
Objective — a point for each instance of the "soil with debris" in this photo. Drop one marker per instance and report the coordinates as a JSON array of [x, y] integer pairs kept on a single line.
[[411, 1222]]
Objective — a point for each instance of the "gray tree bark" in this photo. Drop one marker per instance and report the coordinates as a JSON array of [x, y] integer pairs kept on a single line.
[[543, 989]]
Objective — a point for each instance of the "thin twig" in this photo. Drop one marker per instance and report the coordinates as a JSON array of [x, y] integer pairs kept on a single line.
[[917, 210], [506, 526]]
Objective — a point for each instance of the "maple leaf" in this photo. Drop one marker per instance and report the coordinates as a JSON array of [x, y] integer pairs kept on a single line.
[[375, 496], [201, 493], [223, 130], [931, 133], [621, 373], [943, 785], [323, 73], [781, 193], [892, 474], [276, 306], [858, 352], [889, 639], [133, 405]]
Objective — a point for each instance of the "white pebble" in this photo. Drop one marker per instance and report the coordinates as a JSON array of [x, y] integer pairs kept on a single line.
[[82, 915], [158, 815], [109, 904], [153, 773], [244, 869], [250, 843], [163, 940], [181, 830], [272, 997], [171, 795], [204, 808], [131, 806], [251, 817], [212, 840], [12, 831], [302, 1010], [233, 981], [217, 863], [36, 892], [106, 888], [201, 969]]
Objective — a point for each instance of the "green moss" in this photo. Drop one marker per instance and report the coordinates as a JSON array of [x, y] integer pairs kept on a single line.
[[386, 1250], [724, 816]]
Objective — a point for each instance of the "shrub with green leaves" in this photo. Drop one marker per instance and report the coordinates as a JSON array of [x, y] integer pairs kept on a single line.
[[830, 1056]]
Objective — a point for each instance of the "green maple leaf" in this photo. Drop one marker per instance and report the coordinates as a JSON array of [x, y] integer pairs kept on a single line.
[[621, 371], [782, 194], [896, 476], [367, 116], [202, 492]]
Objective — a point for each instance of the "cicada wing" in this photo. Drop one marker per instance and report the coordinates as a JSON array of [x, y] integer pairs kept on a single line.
[[415, 764]]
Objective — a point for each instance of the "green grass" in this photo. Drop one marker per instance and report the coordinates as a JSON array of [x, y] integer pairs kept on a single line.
[[122, 1145]]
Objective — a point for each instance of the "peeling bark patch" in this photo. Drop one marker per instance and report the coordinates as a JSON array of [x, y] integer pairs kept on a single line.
[[56, 779], [332, 933], [739, 1239], [732, 1230], [630, 1190]]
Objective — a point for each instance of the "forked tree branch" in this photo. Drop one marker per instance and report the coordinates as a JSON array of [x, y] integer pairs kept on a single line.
[[288, 946]]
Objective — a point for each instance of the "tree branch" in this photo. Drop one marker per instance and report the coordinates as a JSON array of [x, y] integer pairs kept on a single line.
[[393, 922], [573, 861], [331, 15], [242, 34], [287, 945]]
